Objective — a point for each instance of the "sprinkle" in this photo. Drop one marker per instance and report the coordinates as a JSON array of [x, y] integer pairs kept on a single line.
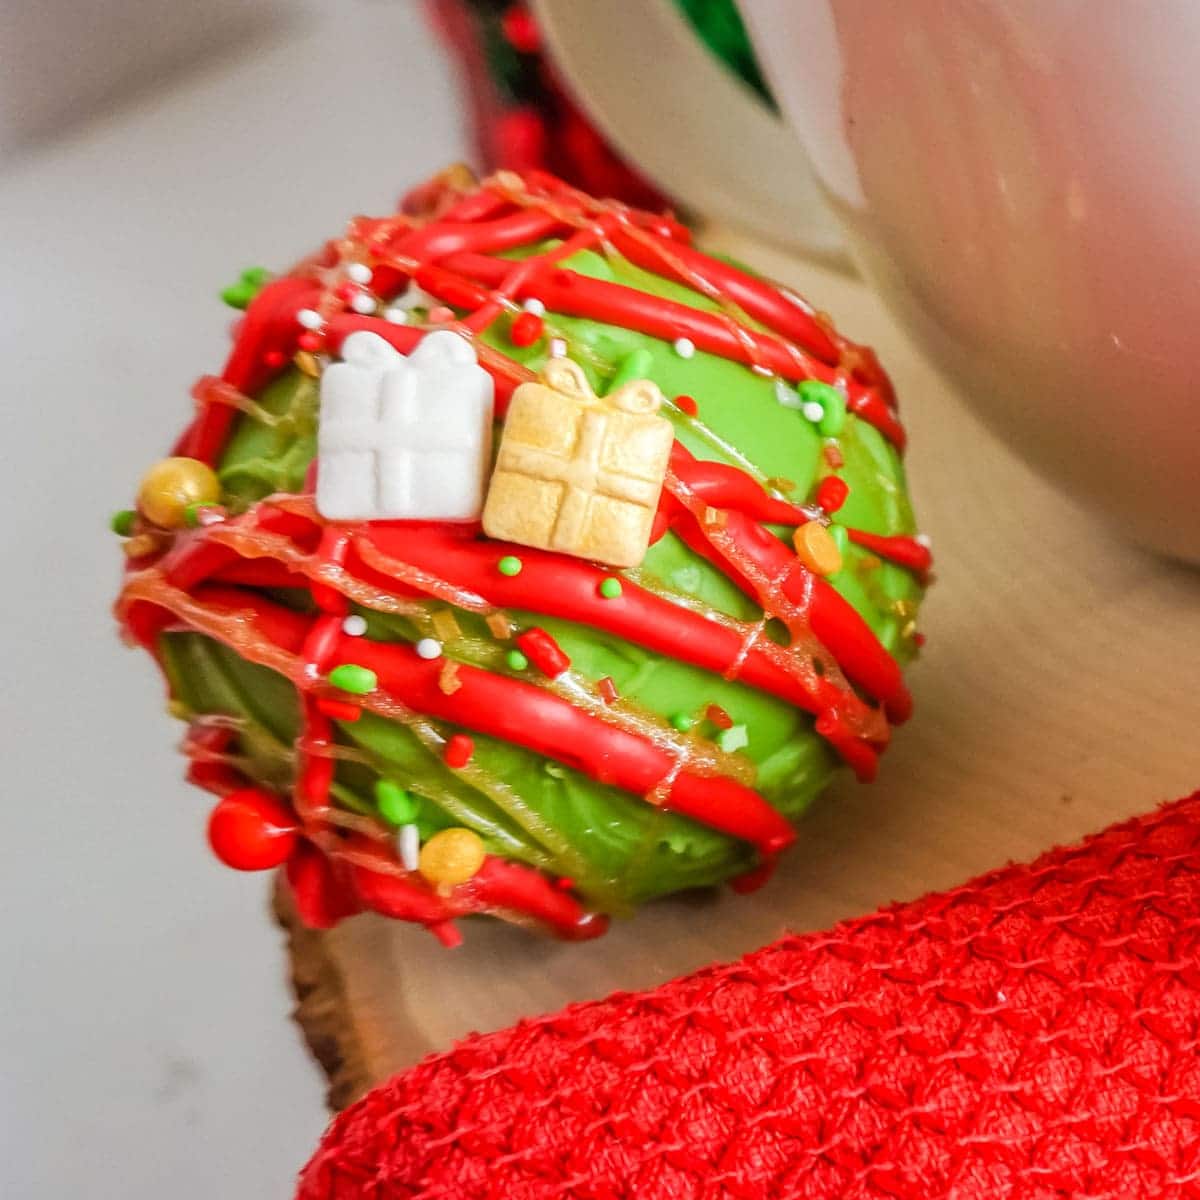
[[714, 518], [610, 587], [682, 721], [354, 625], [812, 411], [923, 539], [919, 639], [448, 680], [410, 847], [786, 396], [429, 648], [564, 883], [509, 565], [440, 314], [121, 522], [526, 329], [364, 303], [516, 660], [832, 493], [685, 347], [832, 403], [355, 679], [310, 318], [533, 305], [309, 341], [397, 316], [194, 514], [544, 652], [345, 291], [687, 404], [338, 710], [359, 272], [452, 856], [458, 750], [817, 549], [834, 457], [841, 538], [499, 624], [733, 738], [274, 359], [558, 348], [608, 690], [445, 626], [718, 716], [395, 804]]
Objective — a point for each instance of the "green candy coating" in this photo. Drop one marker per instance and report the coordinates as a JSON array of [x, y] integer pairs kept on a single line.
[[121, 522], [395, 805], [618, 849]]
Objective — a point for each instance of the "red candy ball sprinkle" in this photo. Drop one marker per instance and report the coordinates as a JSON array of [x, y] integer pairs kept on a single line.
[[250, 830], [832, 493], [526, 329]]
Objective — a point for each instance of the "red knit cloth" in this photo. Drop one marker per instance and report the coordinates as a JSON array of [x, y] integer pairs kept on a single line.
[[1030, 1034]]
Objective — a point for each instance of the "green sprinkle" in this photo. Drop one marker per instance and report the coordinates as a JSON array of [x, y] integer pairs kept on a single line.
[[635, 365], [516, 660], [683, 722], [610, 587], [733, 738], [830, 399], [395, 805], [121, 522], [510, 565], [191, 514], [352, 678], [249, 284], [840, 537]]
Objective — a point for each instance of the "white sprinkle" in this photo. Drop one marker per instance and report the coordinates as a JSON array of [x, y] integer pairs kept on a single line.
[[787, 396], [558, 348], [354, 625], [359, 272], [685, 347], [429, 648], [812, 410], [923, 539], [363, 302], [397, 316], [410, 847], [310, 318], [535, 306]]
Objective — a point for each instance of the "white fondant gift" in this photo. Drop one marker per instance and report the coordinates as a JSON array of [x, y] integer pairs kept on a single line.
[[404, 437]]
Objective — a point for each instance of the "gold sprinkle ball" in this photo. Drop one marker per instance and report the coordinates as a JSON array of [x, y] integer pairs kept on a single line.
[[451, 856], [171, 486], [816, 548]]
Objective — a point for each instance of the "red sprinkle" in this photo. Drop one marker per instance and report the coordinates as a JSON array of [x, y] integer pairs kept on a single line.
[[346, 291], [310, 340], [832, 493], [607, 689], [919, 639], [458, 750], [564, 883], [250, 830], [274, 359], [687, 404], [520, 30], [718, 716], [544, 652], [338, 710], [526, 329]]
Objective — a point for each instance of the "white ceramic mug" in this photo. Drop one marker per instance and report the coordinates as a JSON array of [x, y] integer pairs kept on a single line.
[[1020, 179]]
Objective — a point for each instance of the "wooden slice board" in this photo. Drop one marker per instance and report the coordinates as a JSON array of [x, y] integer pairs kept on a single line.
[[1059, 691]]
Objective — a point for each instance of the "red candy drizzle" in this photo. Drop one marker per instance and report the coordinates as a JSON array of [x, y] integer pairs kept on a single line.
[[448, 242]]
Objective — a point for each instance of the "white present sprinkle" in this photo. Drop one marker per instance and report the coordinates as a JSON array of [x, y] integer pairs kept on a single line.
[[429, 648], [359, 272], [535, 306], [410, 847], [363, 302], [310, 318], [354, 625], [812, 410], [685, 347], [397, 316]]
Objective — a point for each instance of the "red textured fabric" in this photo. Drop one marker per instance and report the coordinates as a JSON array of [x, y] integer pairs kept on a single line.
[[1031, 1034]]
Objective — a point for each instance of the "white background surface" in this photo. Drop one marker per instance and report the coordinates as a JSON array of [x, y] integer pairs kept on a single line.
[[145, 1050]]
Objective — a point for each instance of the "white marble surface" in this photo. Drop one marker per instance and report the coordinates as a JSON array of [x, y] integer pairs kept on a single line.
[[145, 1050]]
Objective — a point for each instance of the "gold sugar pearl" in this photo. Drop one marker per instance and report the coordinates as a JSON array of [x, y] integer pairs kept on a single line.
[[451, 856], [816, 548], [171, 486]]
